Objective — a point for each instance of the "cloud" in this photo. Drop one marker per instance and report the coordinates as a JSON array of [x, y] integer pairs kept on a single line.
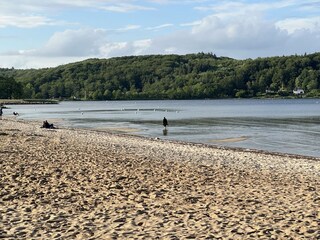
[[311, 6], [116, 49], [87, 43], [112, 49], [24, 14], [234, 36], [26, 21], [195, 23], [297, 24], [36, 6], [124, 8], [234, 7], [231, 28], [127, 28], [74, 43], [34, 13], [241, 7], [240, 37], [28, 62], [236, 32], [160, 27], [178, 1]]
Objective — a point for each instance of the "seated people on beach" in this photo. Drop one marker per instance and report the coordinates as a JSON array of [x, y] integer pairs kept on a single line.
[[47, 125]]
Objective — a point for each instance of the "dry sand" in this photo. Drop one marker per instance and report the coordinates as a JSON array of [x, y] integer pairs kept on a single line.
[[80, 184]]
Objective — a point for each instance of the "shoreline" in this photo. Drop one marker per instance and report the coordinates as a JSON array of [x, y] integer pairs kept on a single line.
[[117, 132], [90, 184], [4, 102]]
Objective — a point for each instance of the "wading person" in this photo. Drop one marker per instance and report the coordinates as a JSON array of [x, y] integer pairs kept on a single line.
[[165, 123]]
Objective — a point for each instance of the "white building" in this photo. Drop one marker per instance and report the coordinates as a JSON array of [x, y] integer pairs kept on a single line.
[[299, 91]]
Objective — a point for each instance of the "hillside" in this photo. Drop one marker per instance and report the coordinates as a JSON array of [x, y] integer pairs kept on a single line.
[[166, 77]]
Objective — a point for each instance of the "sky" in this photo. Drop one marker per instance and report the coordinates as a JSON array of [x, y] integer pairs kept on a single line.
[[48, 33]]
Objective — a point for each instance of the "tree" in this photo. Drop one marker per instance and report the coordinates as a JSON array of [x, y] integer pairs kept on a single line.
[[9, 88]]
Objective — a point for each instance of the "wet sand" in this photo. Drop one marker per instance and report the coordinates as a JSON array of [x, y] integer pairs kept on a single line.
[[236, 139], [85, 184]]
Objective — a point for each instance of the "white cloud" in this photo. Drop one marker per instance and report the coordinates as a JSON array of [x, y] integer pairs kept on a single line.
[[139, 47], [29, 13], [28, 6], [128, 28], [123, 8], [178, 1], [114, 49], [242, 7], [233, 29], [87, 43], [34, 13], [297, 24], [191, 24], [236, 32], [238, 36], [32, 6], [27, 62], [72, 43], [26, 21], [160, 27]]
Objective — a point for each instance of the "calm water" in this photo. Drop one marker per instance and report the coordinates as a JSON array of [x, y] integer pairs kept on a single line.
[[288, 126]]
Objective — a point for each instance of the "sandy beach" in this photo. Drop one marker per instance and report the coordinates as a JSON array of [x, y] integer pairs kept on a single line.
[[85, 184]]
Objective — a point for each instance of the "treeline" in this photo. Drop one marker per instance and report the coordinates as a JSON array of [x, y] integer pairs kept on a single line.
[[166, 77], [10, 88]]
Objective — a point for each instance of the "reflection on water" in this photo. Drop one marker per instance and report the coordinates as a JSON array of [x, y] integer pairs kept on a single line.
[[165, 132], [290, 126]]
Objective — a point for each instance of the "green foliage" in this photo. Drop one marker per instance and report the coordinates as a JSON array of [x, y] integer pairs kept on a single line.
[[9, 88], [191, 76]]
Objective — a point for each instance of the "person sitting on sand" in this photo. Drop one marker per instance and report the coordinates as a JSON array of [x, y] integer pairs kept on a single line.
[[165, 122], [47, 125]]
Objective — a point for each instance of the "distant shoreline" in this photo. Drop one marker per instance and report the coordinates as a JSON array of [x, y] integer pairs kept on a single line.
[[26, 101], [51, 101]]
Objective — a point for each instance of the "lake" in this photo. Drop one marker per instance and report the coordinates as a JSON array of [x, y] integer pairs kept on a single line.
[[277, 125]]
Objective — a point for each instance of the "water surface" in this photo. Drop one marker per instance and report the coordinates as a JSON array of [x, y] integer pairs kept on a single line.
[[281, 125]]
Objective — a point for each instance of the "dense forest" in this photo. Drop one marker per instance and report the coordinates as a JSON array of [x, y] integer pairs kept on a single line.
[[192, 76]]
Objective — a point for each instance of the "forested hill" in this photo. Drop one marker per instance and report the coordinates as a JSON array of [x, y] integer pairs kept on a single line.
[[166, 77]]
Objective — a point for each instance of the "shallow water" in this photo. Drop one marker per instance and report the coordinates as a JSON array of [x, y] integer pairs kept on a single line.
[[281, 125]]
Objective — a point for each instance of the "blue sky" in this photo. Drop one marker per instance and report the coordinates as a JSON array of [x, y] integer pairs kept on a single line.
[[39, 33]]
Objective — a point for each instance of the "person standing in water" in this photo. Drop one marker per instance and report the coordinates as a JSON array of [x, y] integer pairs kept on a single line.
[[165, 123]]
